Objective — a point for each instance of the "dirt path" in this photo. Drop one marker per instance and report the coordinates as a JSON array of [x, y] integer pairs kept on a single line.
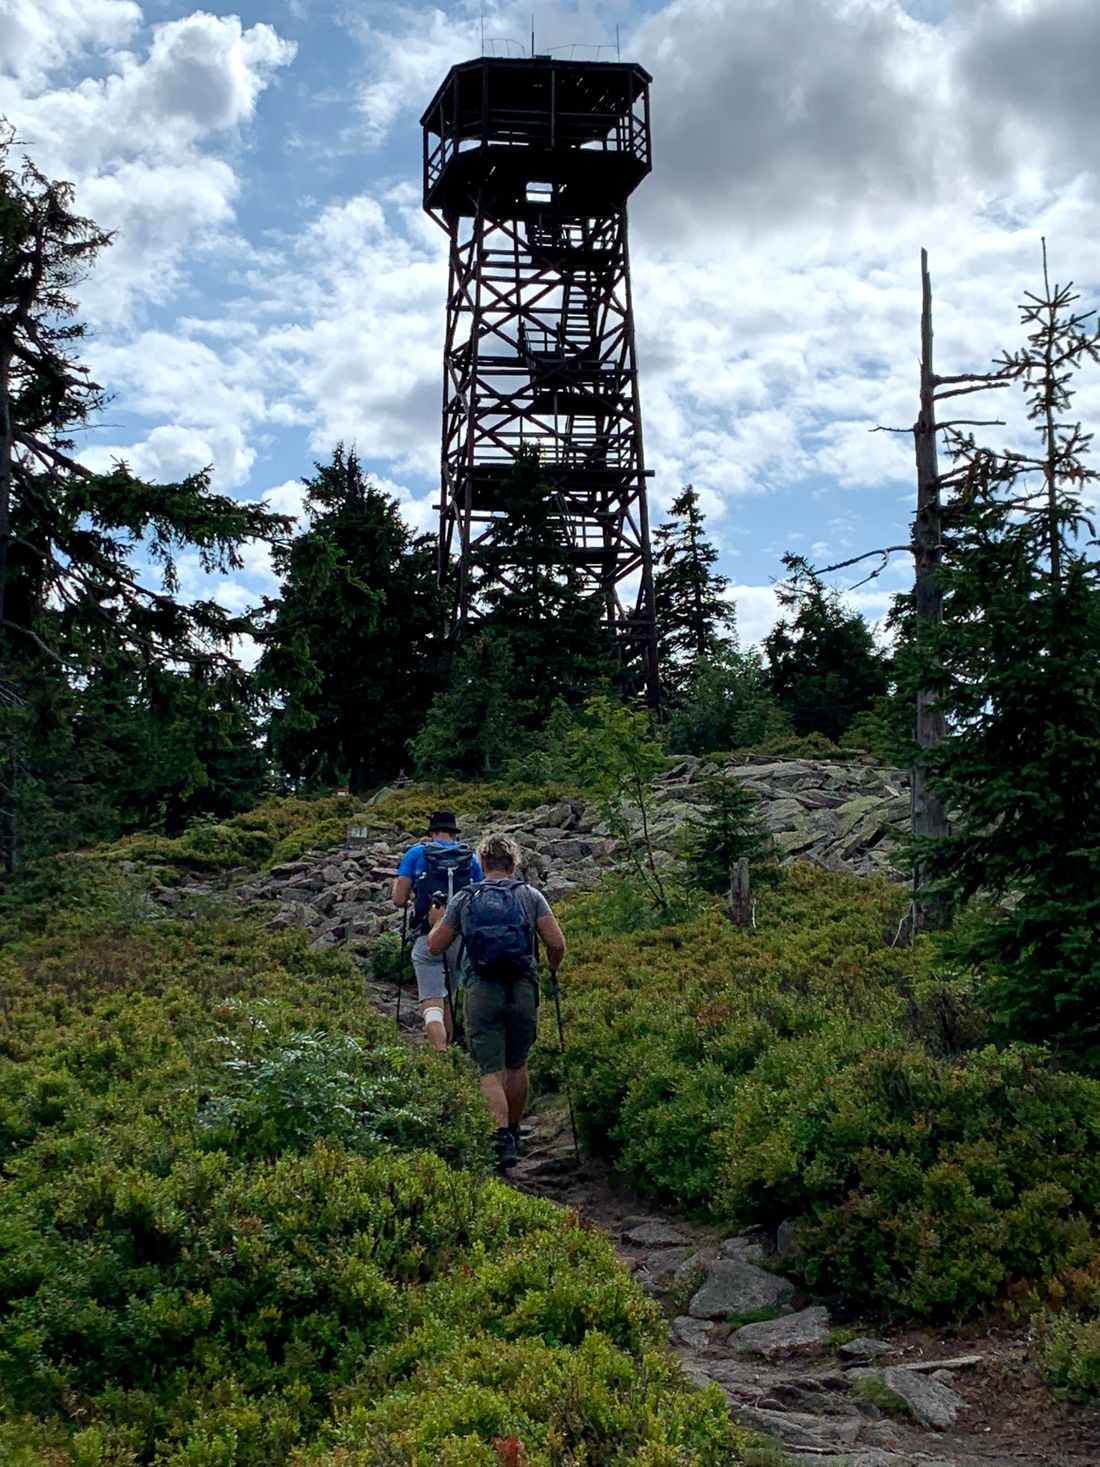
[[787, 1375]]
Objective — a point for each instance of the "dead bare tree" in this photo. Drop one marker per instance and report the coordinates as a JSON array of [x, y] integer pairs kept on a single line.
[[928, 817]]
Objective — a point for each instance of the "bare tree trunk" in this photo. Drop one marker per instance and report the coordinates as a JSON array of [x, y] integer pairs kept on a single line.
[[7, 454], [739, 900], [1050, 437], [927, 814]]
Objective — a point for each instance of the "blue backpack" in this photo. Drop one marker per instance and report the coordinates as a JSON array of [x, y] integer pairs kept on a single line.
[[448, 867], [500, 941]]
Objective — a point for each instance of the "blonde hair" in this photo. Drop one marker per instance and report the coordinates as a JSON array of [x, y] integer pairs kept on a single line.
[[499, 851]]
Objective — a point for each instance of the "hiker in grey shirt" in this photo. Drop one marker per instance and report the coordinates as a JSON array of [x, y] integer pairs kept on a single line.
[[501, 1007]]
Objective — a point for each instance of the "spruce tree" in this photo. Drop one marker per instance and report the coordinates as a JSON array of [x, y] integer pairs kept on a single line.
[[725, 827], [725, 703], [694, 616], [471, 730], [353, 645], [536, 639], [69, 590], [532, 597], [1015, 667], [76, 607], [823, 666]]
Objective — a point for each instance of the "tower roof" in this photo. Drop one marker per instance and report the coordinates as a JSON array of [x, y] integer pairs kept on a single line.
[[517, 83], [580, 128]]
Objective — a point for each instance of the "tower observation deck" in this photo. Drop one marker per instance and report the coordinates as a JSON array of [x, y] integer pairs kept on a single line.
[[528, 165]]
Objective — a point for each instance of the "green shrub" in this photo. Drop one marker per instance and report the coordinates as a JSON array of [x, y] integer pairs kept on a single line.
[[930, 1187], [409, 807], [794, 746], [240, 1225], [221, 844], [621, 904], [810, 1069], [1071, 1356], [388, 959], [486, 1401], [318, 1086], [217, 1310]]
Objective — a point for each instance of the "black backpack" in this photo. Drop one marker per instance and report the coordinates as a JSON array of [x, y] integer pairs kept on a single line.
[[448, 867], [499, 938]]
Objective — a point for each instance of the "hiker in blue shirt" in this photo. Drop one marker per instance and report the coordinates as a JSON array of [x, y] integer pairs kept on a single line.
[[438, 866]]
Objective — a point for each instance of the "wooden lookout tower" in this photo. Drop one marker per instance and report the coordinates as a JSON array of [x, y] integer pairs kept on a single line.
[[528, 165]]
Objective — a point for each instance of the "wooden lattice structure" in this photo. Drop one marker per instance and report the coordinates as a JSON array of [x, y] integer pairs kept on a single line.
[[528, 165]]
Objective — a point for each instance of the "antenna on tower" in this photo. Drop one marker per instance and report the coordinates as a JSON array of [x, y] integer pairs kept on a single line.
[[618, 52], [483, 33], [532, 33]]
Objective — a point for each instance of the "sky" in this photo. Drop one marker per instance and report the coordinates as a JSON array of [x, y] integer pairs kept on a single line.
[[274, 286]]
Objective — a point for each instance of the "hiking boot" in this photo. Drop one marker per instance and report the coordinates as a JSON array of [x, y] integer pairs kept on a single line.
[[505, 1144], [514, 1132]]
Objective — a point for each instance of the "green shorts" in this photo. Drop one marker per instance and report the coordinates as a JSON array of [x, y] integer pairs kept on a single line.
[[501, 1020]]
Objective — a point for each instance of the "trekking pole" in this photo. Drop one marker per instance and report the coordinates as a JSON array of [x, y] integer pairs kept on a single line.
[[556, 991], [450, 996], [401, 961]]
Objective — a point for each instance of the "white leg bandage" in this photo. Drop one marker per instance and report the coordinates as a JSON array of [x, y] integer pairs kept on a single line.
[[433, 1016]]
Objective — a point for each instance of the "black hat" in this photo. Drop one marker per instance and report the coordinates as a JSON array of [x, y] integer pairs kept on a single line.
[[443, 820]]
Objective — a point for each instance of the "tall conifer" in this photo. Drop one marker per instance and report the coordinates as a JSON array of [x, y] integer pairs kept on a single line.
[[694, 616], [824, 667], [1015, 668], [536, 639], [352, 646], [78, 611]]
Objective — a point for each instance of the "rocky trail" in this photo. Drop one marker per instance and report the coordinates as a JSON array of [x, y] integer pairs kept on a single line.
[[826, 1396]]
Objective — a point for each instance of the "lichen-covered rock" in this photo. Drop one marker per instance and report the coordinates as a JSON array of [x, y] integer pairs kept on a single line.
[[932, 1402], [735, 1286], [777, 1336]]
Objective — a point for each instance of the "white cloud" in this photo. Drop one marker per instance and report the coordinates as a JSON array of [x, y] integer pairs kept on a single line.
[[288, 498], [357, 339], [171, 452], [409, 53], [758, 610], [39, 35], [137, 140]]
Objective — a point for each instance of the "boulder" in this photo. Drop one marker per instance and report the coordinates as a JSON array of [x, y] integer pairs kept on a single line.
[[734, 1286], [748, 1250], [653, 1233], [930, 1401], [784, 813], [555, 887], [854, 810], [777, 1336], [562, 814], [694, 1333], [864, 1348], [786, 1236]]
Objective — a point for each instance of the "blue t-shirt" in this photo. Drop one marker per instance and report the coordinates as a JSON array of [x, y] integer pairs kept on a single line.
[[413, 862]]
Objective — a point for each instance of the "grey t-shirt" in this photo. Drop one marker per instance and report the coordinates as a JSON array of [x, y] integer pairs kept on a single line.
[[533, 902]]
